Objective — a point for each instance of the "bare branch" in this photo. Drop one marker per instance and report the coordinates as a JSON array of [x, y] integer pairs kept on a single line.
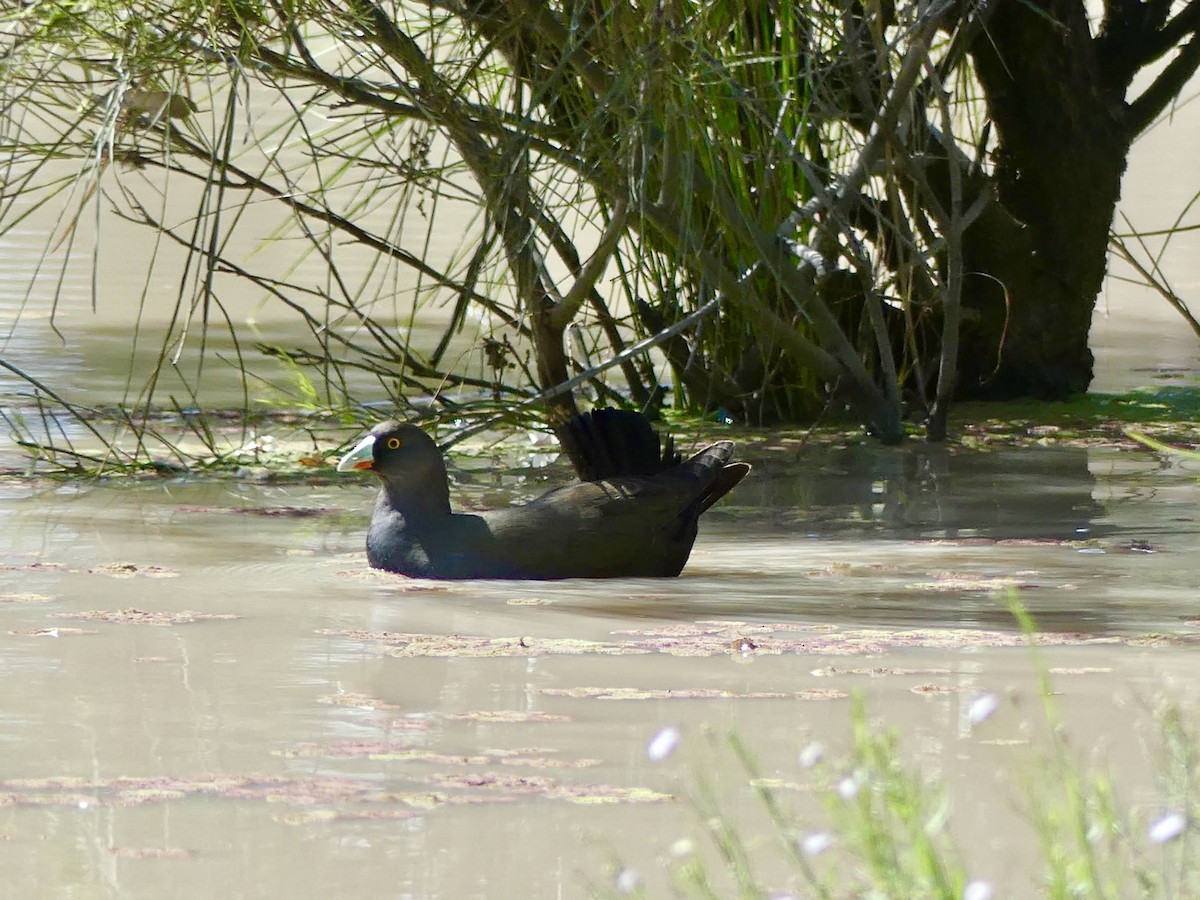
[[1165, 88], [564, 312]]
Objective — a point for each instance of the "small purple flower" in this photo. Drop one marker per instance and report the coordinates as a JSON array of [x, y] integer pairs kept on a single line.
[[663, 744], [981, 708], [1169, 827], [816, 843], [811, 755]]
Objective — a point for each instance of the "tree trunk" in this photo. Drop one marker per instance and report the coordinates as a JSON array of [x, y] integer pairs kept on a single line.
[[1062, 148]]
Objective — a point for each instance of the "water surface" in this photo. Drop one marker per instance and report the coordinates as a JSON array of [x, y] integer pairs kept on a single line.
[[350, 732]]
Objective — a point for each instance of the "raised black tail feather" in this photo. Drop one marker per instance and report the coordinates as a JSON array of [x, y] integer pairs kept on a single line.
[[727, 479], [614, 443], [716, 473]]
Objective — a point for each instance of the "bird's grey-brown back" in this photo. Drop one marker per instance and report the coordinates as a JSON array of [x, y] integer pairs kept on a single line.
[[636, 516]]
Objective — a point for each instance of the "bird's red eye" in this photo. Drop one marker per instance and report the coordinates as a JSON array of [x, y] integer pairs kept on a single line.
[[394, 443]]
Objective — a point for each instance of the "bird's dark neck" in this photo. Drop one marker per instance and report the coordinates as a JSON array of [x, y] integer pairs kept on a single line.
[[430, 502]]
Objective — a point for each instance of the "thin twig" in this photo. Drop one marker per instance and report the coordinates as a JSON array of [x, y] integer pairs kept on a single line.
[[571, 383]]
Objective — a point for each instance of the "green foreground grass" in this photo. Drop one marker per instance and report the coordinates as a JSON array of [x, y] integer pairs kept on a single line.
[[887, 827]]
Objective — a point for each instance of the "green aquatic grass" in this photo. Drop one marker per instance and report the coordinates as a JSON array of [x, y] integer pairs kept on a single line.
[[1159, 446], [887, 829], [286, 436]]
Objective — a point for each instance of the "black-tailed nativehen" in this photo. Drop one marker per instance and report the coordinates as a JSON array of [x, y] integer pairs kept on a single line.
[[634, 513]]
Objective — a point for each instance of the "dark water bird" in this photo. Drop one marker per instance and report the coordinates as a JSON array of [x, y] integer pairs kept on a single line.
[[634, 512]]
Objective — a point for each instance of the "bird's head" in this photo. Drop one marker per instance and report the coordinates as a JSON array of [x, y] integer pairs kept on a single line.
[[401, 454]]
